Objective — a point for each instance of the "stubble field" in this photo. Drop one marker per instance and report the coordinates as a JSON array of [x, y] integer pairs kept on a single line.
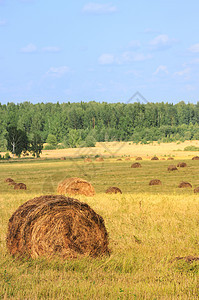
[[148, 226]]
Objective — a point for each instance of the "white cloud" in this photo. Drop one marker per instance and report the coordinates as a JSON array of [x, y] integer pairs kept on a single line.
[[96, 8], [50, 49], [106, 59], [161, 42], [194, 48], [125, 57], [30, 48], [161, 69], [184, 72], [58, 72]]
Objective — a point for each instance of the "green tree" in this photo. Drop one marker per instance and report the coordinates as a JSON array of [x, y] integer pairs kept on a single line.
[[36, 145], [17, 140], [51, 139]]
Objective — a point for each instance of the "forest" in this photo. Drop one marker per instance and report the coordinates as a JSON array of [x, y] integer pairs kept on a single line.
[[85, 123]]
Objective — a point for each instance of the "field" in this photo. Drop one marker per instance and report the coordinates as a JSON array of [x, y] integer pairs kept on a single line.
[[148, 226]]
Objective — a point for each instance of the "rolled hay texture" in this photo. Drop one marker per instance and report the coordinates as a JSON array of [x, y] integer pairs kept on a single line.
[[55, 225], [155, 158], [8, 180], [99, 159], [195, 158], [88, 160], [76, 186], [138, 158], [172, 168], [136, 165], [181, 165], [20, 186], [170, 158], [113, 190], [155, 182], [185, 184], [196, 190]]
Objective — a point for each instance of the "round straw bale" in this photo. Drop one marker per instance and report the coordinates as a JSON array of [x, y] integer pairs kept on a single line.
[[196, 190], [62, 158], [113, 190], [8, 180], [155, 182], [119, 159], [55, 225], [127, 158], [136, 165], [12, 183], [181, 164], [76, 186], [155, 158], [88, 159], [170, 158], [195, 158], [172, 168], [20, 186], [138, 158], [185, 184], [99, 159]]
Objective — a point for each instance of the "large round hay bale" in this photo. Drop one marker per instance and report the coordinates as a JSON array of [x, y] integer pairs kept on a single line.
[[76, 186], [155, 158], [185, 184], [87, 159], [138, 158], [20, 186], [55, 225], [170, 158], [181, 165], [196, 190], [195, 158], [8, 180], [172, 168], [99, 159], [113, 190], [155, 182], [136, 165]]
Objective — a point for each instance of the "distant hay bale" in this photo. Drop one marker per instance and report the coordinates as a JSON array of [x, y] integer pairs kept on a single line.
[[195, 158], [76, 186], [87, 159], [99, 159], [8, 180], [113, 190], [55, 225], [172, 168], [181, 165], [20, 186], [155, 182], [119, 159], [170, 158], [155, 158], [138, 158], [196, 190], [185, 184], [136, 165], [127, 158], [12, 183], [62, 158]]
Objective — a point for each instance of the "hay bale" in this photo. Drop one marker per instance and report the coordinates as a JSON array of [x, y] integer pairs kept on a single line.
[[195, 158], [8, 180], [87, 160], [155, 158], [76, 186], [62, 158], [136, 165], [12, 183], [172, 168], [119, 159], [113, 190], [99, 159], [185, 184], [181, 165], [20, 186], [55, 225], [196, 190], [127, 158], [155, 182], [138, 158], [170, 158]]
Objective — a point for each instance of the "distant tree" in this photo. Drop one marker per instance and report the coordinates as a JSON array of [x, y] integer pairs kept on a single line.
[[73, 138], [36, 144], [51, 139], [17, 140]]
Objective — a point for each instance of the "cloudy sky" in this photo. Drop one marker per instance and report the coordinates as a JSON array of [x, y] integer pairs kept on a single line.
[[99, 50]]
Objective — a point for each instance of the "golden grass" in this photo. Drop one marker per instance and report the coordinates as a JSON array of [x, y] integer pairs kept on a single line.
[[149, 226]]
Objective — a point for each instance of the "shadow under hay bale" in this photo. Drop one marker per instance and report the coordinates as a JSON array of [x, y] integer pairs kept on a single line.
[[136, 165], [138, 158], [8, 180], [155, 182], [76, 186], [170, 158], [155, 158], [99, 159], [172, 168], [195, 158], [182, 165], [196, 190], [87, 160], [55, 225], [185, 184], [20, 186], [113, 190], [62, 158]]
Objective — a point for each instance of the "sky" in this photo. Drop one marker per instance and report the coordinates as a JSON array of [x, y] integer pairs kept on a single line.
[[99, 50]]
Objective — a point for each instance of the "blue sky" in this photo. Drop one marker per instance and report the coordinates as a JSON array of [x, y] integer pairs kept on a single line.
[[99, 50]]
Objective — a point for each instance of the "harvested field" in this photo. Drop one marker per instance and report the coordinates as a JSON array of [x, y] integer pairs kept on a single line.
[[155, 158], [181, 165], [62, 158], [55, 225], [20, 186], [170, 158], [127, 158], [185, 184], [155, 182], [113, 190], [88, 160], [76, 186], [172, 168], [136, 165], [138, 158], [119, 159], [196, 190], [99, 159]]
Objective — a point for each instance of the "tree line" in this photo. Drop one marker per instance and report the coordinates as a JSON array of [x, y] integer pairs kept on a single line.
[[83, 124]]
